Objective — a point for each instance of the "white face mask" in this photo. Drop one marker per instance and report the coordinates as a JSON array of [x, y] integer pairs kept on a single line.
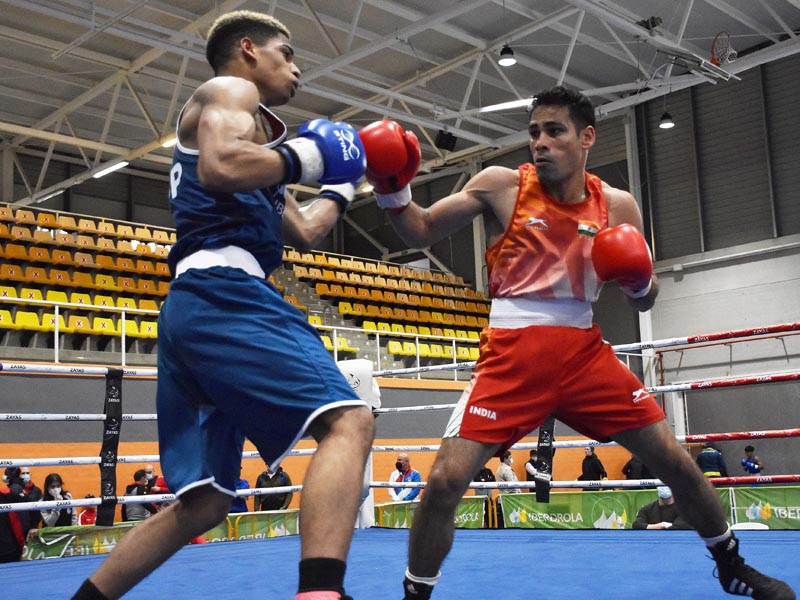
[[5, 478], [55, 491], [149, 475], [510, 461], [26, 477]]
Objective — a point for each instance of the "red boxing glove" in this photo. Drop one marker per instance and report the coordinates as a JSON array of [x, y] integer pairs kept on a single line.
[[621, 254], [393, 158]]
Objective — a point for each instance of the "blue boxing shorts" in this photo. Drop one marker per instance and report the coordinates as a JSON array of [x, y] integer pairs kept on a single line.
[[235, 360]]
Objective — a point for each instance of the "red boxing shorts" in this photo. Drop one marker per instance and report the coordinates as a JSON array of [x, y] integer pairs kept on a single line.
[[525, 374]]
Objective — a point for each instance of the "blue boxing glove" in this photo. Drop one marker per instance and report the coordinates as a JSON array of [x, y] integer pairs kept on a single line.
[[323, 151]]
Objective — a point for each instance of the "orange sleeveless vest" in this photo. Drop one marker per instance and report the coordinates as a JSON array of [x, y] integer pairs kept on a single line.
[[545, 252]]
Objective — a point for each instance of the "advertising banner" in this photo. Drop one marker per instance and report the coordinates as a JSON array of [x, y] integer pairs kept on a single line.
[[266, 524], [399, 515], [775, 507]]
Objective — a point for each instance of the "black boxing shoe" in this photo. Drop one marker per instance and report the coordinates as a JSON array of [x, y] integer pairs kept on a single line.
[[416, 591], [740, 579]]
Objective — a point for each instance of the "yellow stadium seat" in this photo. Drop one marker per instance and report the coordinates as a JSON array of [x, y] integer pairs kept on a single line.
[[160, 236], [83, 280], [6, 214], [462, 353], [474, 353], [126, 302], [125, 231], [5, 233], [162, 288], [131, 328], [16, 253], [345, 308], [105, 282], [148, 304], [22, 234], [369, 327], [59, 256], [27, 294], [6, 320], [59, 278], [27, 321], [126, 284], [79, 324], [25, 217], [395, 348], [105, 262], [104, 326], [146, 287], [49, 323], [66, 222], [149, 329], [105, 244], [103, 301], [424, 350], [35, 275], [342, 345], [326, 341], [8, 292], [56, 296], [80, 298], [106, 228], [436, 351], [315, 320], [39, 255]]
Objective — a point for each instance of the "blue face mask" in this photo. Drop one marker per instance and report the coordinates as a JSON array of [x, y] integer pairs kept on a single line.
[[26, 477], [5, 478]]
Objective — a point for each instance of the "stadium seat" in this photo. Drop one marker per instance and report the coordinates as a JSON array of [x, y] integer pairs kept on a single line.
[[8, 292], [66, 222], [126, 302], [16, 252], [326, 341], [148, 304], [56, 297], [22, 234], [27, 294], [11, 273], [40, 236], [105, 282], [49, 323], [342, 345], [59, 278], [27, 321], [59, 256], [38, 254], [125, 231], [87, 226], [80, 298], [79, 324], [106, 228], [149, 329], [25, 217], [103, 300], [6, 214], [104, 326]]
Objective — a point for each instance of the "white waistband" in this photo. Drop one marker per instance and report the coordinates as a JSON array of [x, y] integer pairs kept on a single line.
[[515, 313], [229, 256]]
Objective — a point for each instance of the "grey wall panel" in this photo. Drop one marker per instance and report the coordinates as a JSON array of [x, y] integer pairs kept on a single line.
[[782, 89], [610, 146], [671, 177], [732, 155]]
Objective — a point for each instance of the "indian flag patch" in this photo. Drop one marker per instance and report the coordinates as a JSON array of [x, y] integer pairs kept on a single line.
[[587, 228]]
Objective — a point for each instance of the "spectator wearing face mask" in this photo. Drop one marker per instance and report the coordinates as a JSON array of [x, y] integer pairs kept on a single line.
[[661, 514], [404, 472], [151, 476], [33, 493], [54, 490], [506, 473]]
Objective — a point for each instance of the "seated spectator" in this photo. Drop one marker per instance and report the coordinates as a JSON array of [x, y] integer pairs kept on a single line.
[[485, 475], [88, 515], [272, 479], [138, 511], [57, 517], [404, 473], [661, 514]]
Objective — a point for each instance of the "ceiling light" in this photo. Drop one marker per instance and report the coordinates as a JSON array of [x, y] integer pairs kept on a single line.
[[507, 57], [666, 121], [169, 142], [110, 169], [367, 188]]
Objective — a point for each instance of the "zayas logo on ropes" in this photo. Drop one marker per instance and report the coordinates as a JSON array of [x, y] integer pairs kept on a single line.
[[347, 141]]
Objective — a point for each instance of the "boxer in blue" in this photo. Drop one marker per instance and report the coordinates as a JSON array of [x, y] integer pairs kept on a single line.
[[235, 360]]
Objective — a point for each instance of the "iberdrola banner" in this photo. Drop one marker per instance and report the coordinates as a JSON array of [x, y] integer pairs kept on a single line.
[[775, 507], [399, 515], [580, 510], [266, 524]]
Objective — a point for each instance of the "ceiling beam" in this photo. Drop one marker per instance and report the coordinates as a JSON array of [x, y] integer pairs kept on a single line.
[[728, 9]]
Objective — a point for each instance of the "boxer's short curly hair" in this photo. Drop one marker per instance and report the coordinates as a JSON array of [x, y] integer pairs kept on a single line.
[[581, 111], [230, 28]]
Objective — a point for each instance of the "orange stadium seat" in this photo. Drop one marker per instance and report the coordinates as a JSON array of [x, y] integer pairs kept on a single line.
[[39, 255], [16, 252], [66, 222], [125, 231], [11, 273], [106, 228], [6, 214]]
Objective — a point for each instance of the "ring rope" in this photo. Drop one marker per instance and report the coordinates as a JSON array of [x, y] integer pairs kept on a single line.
[[145, 458]]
